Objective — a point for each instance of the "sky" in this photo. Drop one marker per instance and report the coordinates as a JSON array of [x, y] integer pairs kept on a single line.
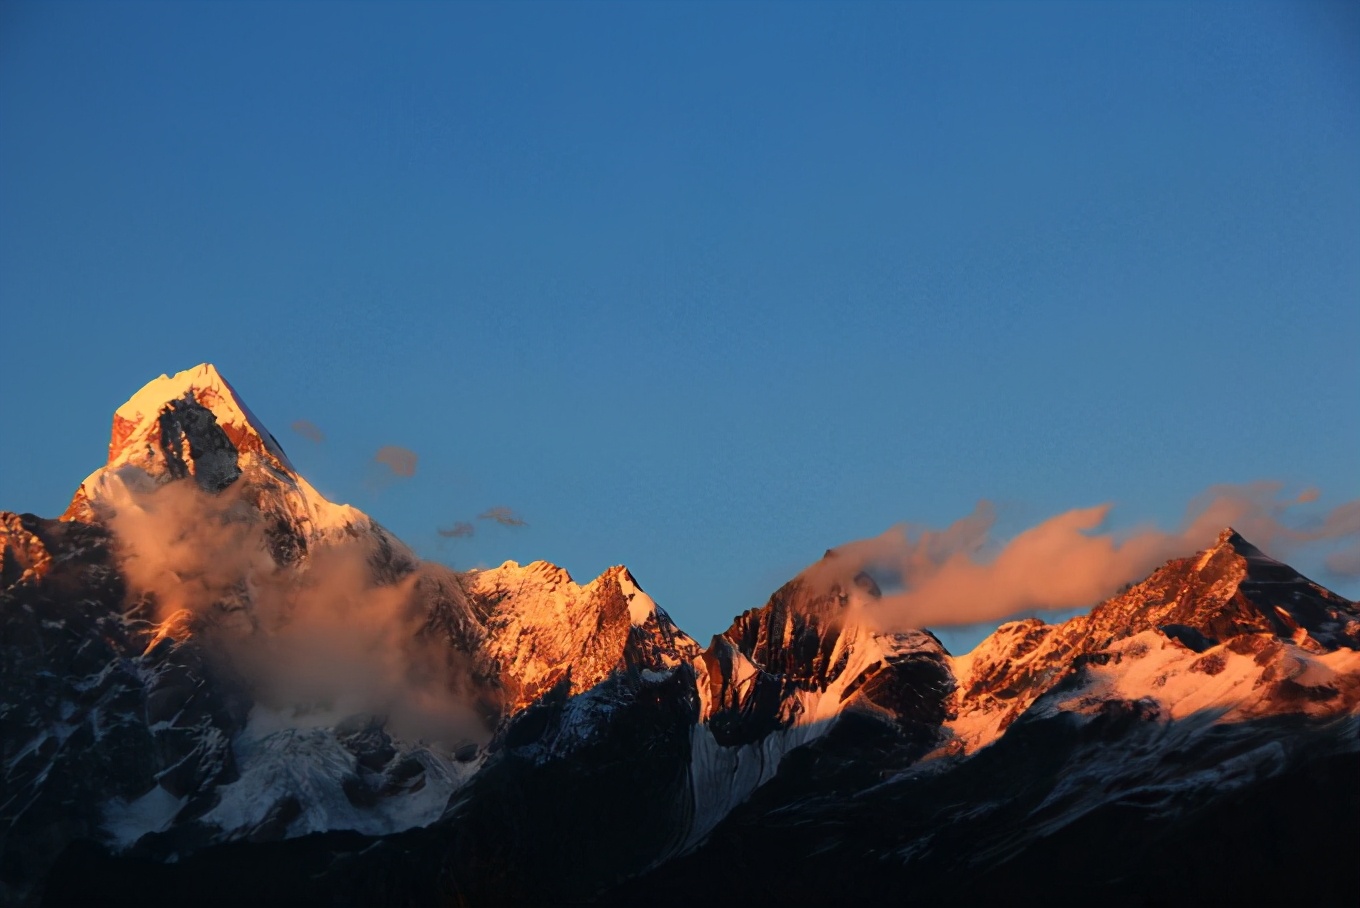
[[703, 289]]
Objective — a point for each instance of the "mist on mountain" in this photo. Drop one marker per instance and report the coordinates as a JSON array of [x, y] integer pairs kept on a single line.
[[316, 643], [962, 575]]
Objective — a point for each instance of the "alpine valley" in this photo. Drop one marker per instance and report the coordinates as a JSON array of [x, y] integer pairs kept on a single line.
[[182, 720]]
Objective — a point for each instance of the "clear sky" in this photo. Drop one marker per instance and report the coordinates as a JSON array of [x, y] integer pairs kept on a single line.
[[700, 288]]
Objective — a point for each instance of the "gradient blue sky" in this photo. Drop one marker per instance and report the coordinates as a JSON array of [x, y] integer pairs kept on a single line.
[[699, 288]]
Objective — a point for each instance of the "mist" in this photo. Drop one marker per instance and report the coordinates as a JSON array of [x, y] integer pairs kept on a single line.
[[316, 643], [963, 575]]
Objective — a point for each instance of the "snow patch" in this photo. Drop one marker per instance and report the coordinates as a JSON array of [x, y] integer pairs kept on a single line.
[[210, 389], [127, 821], [640, 605], [311, 766]]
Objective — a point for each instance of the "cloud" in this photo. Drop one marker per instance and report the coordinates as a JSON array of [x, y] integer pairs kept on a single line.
[[961, 575], [1345, 562], [502, 515], [401, 461], [1309, 494], [318, 642], [308, 430], [460, 530]]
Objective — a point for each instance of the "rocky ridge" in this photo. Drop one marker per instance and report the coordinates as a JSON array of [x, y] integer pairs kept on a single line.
[[132, 738]]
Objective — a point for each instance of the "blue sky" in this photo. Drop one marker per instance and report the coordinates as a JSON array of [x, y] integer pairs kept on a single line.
[[703, 289]]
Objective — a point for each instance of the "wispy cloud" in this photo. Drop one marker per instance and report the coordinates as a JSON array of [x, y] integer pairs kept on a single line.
[[962, 575], [401, 461], [460, 530], [502, 515], [308, 430]]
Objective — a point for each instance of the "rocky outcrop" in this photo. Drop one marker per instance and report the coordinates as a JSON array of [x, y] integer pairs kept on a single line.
[[1227, 599], [543, 630], [596, 751]]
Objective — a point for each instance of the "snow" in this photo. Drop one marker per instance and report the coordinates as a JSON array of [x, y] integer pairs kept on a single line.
[[127, 821], [312, 766], [210, 389], [721, 778], [128, 467], [978, 728], [545, 624], [123, 481], [1152, 666], [980, 721], [640, 605]]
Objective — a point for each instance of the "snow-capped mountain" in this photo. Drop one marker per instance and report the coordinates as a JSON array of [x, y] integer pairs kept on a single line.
[[220, 686], [1227, 629]]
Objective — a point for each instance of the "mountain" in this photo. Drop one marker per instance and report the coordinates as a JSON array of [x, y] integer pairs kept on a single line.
[[1193, 740], [219, 687]]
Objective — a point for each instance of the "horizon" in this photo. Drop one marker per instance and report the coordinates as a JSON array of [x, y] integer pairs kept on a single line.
[[704, 291], [959, 636]]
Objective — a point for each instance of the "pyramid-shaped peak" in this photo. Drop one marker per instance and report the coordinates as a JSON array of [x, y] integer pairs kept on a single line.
[[158, 392], [137, 421], [1229, 538]]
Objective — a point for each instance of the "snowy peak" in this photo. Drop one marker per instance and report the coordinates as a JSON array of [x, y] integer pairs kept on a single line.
[[1228, 589], [544, 629], [165, 412], [194, 426], [808, 655], [1228, 605], [798, 633], [1230, 538], [641, 607]]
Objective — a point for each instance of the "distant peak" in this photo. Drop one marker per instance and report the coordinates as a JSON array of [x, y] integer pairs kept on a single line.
[[1234, 545], [1229, 538], [621, 574], [137, 421]]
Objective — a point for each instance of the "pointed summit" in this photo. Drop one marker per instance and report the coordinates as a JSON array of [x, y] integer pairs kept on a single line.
[[193, 425], [139, 426], [1228, 589], [1229, 538]]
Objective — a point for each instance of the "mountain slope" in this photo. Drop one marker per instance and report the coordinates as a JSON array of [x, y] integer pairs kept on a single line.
[[218, 686], [1207, 717], [1199, 618]]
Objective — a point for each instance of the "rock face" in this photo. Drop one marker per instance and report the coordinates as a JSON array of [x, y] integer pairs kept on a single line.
[[1194, 615], [543, 630], [509, 735]]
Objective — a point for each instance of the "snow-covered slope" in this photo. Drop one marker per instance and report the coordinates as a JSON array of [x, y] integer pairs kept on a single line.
[[785, 674], [194, 425], [210, 556], [543, 629], [1180, 630], [204, 650]]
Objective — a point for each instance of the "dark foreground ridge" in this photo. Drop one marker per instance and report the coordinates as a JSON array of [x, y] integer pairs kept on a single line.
[[1193, 740]]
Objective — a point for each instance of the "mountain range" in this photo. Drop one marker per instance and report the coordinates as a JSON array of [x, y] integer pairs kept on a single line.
[[218, 687]]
